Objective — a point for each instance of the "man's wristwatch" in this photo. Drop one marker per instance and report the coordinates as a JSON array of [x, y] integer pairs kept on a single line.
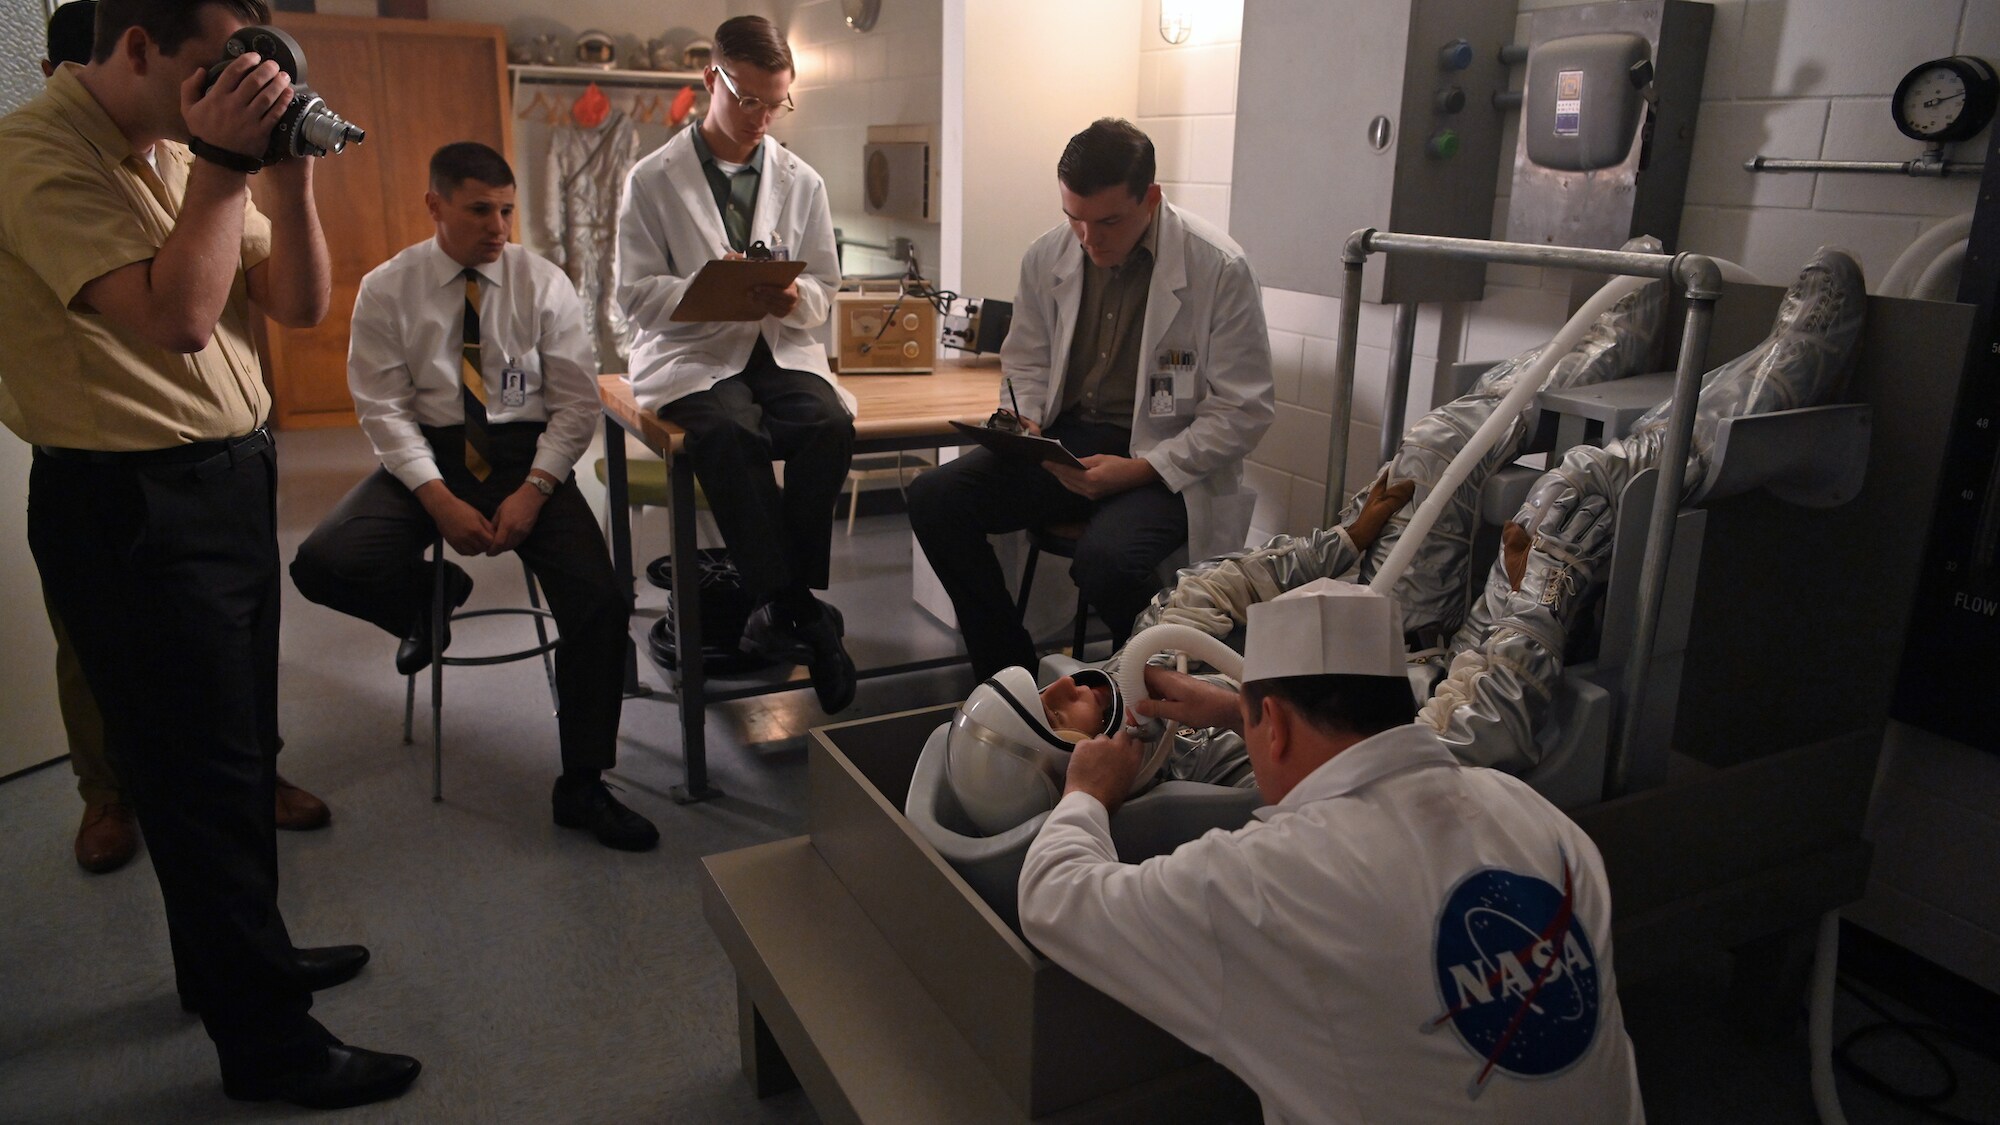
[[543, 485], [234, 161]]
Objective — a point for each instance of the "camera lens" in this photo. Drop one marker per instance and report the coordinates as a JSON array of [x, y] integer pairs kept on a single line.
[[326, 130], [308, 128]]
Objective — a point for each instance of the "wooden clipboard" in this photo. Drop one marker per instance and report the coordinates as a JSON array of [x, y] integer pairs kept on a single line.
[[1023, 446], [721, 289]]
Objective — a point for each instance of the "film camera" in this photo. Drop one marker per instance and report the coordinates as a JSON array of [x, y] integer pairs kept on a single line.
[[308, 127]]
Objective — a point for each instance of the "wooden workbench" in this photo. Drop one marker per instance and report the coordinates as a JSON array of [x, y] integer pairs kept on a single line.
[[893, 412]]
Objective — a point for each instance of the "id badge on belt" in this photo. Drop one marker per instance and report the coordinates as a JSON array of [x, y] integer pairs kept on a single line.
[[1171, 383], [513, 387]]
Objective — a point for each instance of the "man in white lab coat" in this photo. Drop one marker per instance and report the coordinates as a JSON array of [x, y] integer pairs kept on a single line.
[[1138, 340], [1397, 937], [747, 392]]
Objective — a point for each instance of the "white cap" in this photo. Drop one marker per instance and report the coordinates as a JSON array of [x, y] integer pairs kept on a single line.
[[1325, 628]]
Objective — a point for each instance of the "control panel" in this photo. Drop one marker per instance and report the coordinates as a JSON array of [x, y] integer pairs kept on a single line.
[[1378, 114], [884, 333]]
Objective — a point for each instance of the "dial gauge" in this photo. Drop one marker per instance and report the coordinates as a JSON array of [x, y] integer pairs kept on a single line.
[[1945, 99]]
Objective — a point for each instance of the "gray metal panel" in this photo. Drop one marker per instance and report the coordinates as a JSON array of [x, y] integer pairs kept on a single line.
[[1708, 863], [856, 1028], [1050, 1039], [1800, 614], [1603, 208], [1311, 77], [861, 1033], [1451, 196]]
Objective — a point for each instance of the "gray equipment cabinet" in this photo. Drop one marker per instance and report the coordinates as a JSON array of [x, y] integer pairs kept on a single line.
[[870, 973], [1376, 114]]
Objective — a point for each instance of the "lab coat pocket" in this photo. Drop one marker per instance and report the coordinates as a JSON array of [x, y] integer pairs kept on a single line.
[[1173, 387]]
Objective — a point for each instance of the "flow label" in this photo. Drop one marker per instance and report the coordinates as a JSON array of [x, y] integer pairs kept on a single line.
[[1569, 102]]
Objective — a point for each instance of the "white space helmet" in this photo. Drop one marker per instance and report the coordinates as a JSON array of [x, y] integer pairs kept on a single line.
[[1003, 763]]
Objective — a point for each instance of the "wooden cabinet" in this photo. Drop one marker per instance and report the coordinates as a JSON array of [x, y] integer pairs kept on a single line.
[[414, 85]]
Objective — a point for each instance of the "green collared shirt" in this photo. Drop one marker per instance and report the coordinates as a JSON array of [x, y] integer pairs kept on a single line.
[[1102, 377], [735, 192]]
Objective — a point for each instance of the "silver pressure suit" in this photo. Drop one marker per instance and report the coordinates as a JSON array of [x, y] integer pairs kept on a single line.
[[1507, 651], [587, 171]]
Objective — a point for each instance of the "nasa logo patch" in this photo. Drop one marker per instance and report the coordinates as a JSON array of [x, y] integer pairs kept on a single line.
[[1516, 974]]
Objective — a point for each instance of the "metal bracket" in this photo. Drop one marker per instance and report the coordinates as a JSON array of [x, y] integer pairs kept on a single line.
[[1815, 458]]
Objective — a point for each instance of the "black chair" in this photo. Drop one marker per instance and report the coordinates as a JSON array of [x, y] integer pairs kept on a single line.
[[545, 645], [1055, 539]]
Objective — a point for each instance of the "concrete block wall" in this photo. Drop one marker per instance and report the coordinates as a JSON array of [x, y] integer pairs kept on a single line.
[[1187, 104]]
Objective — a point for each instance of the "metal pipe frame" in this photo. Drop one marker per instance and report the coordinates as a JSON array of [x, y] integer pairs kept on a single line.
[[1396, 396], [1923, 169], [1701, 283]]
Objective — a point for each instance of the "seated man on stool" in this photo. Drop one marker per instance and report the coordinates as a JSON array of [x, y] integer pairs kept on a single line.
[[1138, 341], [747, 392], [472, 377]]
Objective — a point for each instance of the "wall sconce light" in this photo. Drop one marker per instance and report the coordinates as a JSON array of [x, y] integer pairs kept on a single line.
[[1176, 20]]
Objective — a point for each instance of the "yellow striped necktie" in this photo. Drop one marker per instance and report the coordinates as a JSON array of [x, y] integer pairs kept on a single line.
[[472, 385]]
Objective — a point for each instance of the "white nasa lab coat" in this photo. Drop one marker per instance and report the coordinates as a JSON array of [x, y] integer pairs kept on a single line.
[[1203, 305], [1363, 949], [669, 227]]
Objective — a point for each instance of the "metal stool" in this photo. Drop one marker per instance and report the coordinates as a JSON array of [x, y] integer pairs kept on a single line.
[[1056, 539], [533, 609]]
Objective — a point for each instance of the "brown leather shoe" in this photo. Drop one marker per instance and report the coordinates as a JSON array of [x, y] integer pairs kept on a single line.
[[300, 811], [108, 838]]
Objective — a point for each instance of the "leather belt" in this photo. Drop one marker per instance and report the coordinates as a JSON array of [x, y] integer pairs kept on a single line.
[[207, 458]]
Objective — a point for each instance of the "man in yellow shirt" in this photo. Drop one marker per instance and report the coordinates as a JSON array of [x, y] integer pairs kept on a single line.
[[130, 254], [108, 837]]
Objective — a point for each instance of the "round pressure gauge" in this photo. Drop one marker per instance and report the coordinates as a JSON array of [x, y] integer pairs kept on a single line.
[[1946, 99]]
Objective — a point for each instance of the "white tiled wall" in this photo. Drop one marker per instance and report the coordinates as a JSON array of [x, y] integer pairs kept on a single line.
[[1187, 104], [848, 81]]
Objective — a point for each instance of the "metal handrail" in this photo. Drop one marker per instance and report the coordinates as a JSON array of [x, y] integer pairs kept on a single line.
[[1920, 167], [1701, 283]]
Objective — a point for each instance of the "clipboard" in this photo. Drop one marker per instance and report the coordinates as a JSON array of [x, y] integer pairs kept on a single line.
[[721, 289], [1023, 446]]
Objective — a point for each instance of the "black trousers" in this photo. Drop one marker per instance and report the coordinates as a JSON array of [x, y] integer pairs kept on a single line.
[[955, 507], [365, 559], [780, 539], [167, 580]]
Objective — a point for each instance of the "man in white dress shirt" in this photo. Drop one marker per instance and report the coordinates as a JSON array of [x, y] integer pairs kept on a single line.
[[1396, 937], [747, 392], [473, 378]]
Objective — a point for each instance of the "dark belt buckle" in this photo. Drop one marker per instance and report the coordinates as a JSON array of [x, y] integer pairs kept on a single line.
[[249, 445]]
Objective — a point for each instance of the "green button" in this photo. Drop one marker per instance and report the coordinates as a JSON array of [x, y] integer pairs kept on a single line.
[[1443, 144]]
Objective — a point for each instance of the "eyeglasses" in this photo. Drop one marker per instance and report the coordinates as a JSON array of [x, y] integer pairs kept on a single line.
[[755, 106]]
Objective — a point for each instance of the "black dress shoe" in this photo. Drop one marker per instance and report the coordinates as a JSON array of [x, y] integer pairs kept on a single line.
[[318, 968], [349, 1076], [590, 805], [327, 965], [832, 669], [769, 634], [413, 653]]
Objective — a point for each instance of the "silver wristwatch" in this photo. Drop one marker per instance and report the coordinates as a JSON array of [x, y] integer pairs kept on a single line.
[[543, 485]]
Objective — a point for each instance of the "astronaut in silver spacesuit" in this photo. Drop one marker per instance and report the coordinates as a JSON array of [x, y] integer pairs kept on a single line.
[[1505, 651]]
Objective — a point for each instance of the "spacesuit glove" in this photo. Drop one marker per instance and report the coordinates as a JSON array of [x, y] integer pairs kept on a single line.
[[1383, 501]]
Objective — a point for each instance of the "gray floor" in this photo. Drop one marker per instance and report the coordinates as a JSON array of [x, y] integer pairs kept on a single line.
[[540, 977]]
